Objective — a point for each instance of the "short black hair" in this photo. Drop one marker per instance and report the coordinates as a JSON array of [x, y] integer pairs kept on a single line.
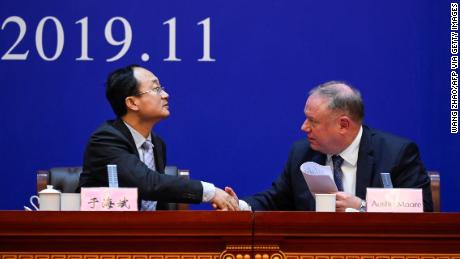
[[120, 84], [349, 102]]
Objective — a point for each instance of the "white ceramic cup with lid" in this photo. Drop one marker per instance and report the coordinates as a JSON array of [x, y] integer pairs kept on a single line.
[[48, 199]]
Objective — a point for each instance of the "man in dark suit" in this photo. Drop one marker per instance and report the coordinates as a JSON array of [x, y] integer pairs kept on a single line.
[[356, 153], [140, 102]]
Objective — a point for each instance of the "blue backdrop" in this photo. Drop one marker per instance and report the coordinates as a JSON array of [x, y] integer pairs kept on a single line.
[[235, 113]]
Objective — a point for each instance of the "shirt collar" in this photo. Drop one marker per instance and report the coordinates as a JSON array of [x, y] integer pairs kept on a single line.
[[138, 138], [350, 154]]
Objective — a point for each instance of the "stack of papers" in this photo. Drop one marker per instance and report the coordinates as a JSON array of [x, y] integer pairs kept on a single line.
[[319, 178]]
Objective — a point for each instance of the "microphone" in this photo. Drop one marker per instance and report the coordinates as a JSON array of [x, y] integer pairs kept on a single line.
[[386, 180]]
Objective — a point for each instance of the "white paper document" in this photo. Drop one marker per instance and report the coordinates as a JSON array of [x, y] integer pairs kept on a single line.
[[319, 178]]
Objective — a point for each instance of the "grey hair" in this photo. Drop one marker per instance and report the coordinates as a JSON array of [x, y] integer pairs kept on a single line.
[[341, 99]]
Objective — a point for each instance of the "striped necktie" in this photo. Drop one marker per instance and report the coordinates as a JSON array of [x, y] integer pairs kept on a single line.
[[338, 174], [149, 160]]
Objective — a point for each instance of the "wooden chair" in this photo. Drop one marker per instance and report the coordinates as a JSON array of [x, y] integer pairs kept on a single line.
[[65, 179], [435, 190]]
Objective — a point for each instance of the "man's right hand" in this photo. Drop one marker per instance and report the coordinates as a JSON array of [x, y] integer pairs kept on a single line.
[[223, 201]]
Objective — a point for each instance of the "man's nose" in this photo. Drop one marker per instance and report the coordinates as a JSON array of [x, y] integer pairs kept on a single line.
[[306, 126], [164, 94]]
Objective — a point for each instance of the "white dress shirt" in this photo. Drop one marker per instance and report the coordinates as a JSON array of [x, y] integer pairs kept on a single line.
[[349, 165]]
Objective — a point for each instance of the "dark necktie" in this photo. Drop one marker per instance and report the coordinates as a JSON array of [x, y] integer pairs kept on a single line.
[[338, 174]]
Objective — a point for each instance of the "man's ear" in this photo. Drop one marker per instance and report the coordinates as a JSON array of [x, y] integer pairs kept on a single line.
[[344, 122], [131, 103]]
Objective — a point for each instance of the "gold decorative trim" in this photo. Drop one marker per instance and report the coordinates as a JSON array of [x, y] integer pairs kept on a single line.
[[368, 256], [238, 247], [268, 252], [111, 255], [267, 247], [237, 252], [232, 252]]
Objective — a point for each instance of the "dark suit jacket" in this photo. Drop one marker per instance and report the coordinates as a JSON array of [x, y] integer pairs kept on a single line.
[[378, 152], [112, 143]]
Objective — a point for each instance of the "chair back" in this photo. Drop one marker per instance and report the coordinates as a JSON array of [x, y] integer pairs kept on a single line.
[[64, 179], [435, 190]]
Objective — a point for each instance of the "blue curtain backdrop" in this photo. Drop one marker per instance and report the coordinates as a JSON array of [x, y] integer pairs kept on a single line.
[[233, 119]]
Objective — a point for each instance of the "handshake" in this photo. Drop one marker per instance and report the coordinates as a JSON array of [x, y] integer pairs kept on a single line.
[[225, 200]]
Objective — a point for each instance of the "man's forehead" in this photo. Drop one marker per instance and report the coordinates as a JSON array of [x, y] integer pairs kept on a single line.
[[316, 103], [144, 75]]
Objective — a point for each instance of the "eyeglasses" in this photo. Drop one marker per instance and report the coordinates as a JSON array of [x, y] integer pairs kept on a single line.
[[156, 90]]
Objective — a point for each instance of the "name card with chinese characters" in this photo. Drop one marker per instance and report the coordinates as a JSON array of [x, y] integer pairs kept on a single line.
[[394, 200], [108, 199]]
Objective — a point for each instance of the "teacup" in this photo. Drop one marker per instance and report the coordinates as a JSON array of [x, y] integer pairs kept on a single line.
[[325, 202], [48, 199], [70, 201]]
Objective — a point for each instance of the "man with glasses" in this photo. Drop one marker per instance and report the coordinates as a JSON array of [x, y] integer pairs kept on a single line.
[[140, 102]]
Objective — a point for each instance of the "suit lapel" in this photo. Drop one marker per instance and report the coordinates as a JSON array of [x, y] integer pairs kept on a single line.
[[158, 152], [157, 145], [120, 126], [319, 158], [365, 164]]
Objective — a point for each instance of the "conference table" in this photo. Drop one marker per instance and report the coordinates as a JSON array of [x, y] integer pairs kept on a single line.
[[228, 235]]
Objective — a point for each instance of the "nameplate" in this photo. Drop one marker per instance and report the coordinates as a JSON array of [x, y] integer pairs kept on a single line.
[[394, 200], [108, 199]]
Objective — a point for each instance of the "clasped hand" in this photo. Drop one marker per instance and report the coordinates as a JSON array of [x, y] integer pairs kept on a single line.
[[225, 201], [344, 200]]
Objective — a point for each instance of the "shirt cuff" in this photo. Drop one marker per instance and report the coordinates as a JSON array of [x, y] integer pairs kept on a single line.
[[244, 206], [209, 191]]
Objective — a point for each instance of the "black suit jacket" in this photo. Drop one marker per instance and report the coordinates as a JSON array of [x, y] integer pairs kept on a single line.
[[378, 152], [112, 143]]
